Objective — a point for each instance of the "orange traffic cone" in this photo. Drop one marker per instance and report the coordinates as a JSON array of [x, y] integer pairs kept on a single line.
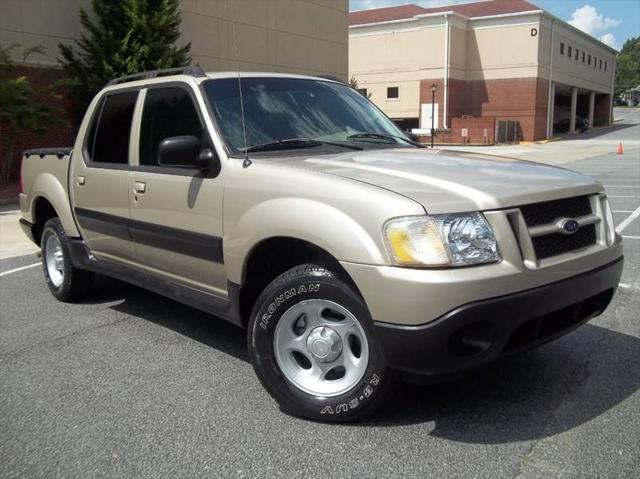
[[620, 150]]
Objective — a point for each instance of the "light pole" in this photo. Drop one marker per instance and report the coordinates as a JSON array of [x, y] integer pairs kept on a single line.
[[433, 106]]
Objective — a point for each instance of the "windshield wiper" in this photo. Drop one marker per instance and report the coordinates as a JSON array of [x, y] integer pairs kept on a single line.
[[292, 143], [382, 136]]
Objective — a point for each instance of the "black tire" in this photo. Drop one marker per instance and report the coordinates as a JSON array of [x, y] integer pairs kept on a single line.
[[76, 283], [315, 282]]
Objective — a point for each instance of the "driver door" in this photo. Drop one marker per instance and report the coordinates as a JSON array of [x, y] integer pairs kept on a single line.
[[176, 213]]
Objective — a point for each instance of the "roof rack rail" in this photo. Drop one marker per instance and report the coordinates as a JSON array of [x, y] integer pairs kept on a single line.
[[332, 78], [189, 70]]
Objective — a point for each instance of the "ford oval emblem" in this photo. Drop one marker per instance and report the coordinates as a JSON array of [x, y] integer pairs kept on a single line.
[[569, 226]]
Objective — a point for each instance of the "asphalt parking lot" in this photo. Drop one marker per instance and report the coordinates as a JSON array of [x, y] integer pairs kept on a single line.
[[130, 384]]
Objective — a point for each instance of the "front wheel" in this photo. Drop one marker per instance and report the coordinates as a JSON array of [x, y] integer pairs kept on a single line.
[[66, 282], [313, 348]]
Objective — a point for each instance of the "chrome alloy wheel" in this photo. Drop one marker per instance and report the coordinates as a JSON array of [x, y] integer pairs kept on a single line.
[[321, 347], [54, 260]]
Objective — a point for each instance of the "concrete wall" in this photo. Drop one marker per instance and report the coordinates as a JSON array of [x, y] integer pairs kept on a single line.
[[294, 36], [402, 56], [43, 23], [570, 71]]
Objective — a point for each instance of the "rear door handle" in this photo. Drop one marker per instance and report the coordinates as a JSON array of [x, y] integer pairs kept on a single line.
[[81, 180], [140, 187]]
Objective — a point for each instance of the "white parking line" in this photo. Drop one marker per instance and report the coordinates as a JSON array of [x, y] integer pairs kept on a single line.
[[627, 221], [621, 211], [15, 270], [622, 196], [630, 237], [622, 186]]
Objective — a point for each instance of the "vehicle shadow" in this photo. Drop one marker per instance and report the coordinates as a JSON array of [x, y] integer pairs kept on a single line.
[[595, 133], [526, 397]]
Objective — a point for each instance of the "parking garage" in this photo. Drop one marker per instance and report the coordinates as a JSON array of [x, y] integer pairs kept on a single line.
[[578, 109]]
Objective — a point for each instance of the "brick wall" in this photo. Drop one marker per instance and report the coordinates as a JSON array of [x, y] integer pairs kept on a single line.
[[479, 130], [521, 99], [58, 134]]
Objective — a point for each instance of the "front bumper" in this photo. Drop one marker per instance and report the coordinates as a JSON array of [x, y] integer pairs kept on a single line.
[[480, 332]]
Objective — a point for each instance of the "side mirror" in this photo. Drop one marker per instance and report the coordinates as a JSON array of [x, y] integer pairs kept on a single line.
[[185, 151]]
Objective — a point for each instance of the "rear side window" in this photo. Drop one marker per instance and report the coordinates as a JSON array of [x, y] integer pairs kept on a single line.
[[167, 112], [109, 137]]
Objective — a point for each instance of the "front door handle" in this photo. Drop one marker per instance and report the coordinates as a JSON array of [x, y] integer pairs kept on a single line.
[[140, 187], [81, 180]]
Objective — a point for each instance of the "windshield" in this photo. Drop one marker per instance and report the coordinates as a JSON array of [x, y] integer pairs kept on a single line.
[[278, 109]]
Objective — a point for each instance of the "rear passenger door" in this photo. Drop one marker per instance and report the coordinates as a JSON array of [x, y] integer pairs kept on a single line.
[[176, 213], [99, 181]]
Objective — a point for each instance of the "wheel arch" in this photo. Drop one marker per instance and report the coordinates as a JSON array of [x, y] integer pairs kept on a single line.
[[272, 257], [48, 189]]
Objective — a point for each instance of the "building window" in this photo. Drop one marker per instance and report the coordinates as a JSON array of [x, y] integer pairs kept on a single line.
[[605, 66], [569, 51], [600, 64], [583, 56], [362, 91], [561, 48], [393, 93], [595, 62], [589, 60], [577, 54]]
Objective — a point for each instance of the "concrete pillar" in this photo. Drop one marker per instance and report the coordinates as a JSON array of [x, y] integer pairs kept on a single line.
[[551, 105], [574, 107], [592, 107]]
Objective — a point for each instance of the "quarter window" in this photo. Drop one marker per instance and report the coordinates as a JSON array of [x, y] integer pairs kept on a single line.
[[109, 134], [167, 112], [393, 92]]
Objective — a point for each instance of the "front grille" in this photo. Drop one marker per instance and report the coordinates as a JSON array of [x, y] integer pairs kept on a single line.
[[549, 211], [557, 243]]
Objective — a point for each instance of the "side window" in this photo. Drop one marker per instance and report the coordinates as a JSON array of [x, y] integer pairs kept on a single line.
[[109, 137], [167, 112]]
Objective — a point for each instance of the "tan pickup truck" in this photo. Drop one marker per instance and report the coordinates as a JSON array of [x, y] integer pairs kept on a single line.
[[292, 206]]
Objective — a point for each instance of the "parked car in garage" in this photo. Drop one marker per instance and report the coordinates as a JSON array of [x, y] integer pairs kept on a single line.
[[562, 126]]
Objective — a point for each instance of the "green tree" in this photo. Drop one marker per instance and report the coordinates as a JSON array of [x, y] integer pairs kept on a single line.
[[628, 66], [21, 108], [124, 37], [353, 83]]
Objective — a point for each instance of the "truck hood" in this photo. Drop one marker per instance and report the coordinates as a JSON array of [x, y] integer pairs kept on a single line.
[[445, 181]]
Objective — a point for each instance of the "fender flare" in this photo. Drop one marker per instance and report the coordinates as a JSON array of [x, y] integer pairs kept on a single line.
[[308, 220], [47, 186]]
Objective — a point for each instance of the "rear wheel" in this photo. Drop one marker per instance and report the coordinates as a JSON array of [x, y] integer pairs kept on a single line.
[[312, 346], [66, 282]]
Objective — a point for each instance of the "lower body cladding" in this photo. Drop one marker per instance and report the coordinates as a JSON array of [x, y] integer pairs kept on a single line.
[[483, 331]]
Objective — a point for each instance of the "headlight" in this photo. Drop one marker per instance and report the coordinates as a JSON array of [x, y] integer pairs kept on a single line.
[[441, 240]]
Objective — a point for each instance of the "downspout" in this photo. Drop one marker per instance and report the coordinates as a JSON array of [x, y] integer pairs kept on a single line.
[[550, 100], [614, 67], [447, 34]]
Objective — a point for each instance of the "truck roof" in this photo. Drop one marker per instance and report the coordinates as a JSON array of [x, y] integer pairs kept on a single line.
[[196, 74]]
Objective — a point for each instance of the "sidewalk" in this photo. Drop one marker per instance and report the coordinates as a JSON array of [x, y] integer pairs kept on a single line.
[[13, 241]]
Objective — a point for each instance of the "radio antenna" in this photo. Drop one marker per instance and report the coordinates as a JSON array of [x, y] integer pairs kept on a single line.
[[246, 161]]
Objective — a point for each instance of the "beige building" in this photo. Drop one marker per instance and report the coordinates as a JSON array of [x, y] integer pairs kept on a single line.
[[288, 36], [295, 36], [492, 60]]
